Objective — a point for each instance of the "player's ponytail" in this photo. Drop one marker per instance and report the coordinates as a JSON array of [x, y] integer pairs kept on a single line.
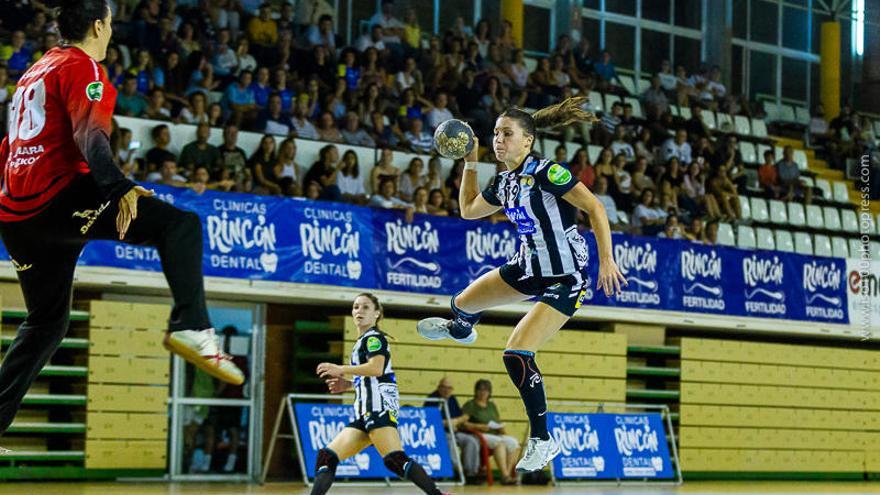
[[564, 113], [75, 17]]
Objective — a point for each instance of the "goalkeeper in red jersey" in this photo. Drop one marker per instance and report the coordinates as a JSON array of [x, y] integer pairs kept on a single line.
[[60, 188]]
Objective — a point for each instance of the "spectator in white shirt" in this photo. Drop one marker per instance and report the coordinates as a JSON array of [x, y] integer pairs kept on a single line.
[[647, 217], [714, 85], [304, 129], [620, 146], [391, 26], [440, 113], [667, 78], [600, 190], [322, 34], [349, 179], [678, 147], [373, 39], [354, 134]]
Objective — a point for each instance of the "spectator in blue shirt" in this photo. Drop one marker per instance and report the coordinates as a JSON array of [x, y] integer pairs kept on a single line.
[[468, 444], [280, 87], [348, 69], [261, 89], [606, 71], [18, 56], [129, 103], [273, 120], [239, 98]]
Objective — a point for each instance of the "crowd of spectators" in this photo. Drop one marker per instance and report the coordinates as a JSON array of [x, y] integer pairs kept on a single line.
[[284, 71]]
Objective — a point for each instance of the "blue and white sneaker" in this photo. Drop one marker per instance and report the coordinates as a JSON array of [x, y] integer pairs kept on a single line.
[[438, 329], [538, 454]]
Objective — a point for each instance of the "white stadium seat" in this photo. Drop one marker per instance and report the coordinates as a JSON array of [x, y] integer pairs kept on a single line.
[[685, 112], [644, 85], [822, 245], [802, 115], [840, 192], [831, 218], [744, 207], [786, 113], [778, 213], [709, 119], [628, 84], [796, 214], [725, 235], [747, 150], [771, 110], [745, 237], [808, 182], [784, 241], [839, 247], [760, 213], [594, 151], [825, 187], [778, 152], [760, 149], [764, 238], [725, 122], [741, 123], [800, 157], [549, 147], [673, 109], [610, 99], [759, 128], [802, 243], [596, 101], [849, 221], [530, 63], [814, 217], [855, 247]]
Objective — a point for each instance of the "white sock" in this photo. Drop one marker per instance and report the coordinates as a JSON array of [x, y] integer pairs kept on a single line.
[[230, 463], [206, 463]]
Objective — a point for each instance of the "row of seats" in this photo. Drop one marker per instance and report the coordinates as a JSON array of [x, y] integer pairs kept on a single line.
[[798, 242], [752, 153], [813, 216], [783, 112]]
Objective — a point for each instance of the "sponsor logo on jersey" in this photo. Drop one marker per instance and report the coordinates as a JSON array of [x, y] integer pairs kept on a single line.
[[95, 91], [559, 175], [373, 344]]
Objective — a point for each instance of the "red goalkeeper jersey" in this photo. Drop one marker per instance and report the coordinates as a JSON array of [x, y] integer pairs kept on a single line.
[[62, 107]]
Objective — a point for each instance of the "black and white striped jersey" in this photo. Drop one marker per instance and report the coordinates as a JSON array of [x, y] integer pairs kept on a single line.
[[531, 195], [374, 394]]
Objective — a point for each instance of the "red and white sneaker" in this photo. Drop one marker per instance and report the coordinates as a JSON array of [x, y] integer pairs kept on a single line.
[[202, 349]]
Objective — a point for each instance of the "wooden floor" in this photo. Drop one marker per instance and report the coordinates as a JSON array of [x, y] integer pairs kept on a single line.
[[163, 488]]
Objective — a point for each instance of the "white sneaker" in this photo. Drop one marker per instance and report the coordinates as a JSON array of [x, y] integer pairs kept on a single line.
[[438, 329], [538, 454], [202, 349], [230, 463]]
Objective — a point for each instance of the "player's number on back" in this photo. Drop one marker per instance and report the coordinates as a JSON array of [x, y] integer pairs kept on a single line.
[[29, 123]]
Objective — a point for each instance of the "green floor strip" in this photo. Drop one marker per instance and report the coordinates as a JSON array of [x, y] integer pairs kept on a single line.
[[54, 400], [654, 349], [19, 314], [641, 393], [652, 371], [70, 343], [47, 428]]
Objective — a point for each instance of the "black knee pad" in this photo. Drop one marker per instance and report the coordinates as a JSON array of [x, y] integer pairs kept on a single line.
[[398, 463], [327, 461]]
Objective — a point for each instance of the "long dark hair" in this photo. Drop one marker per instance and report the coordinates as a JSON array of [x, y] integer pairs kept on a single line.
[[564, 113], [375, 300], [75, 17]]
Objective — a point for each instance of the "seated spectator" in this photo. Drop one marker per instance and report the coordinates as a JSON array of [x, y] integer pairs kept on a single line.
[[156, 109], [671, 182], [200, 153], [631, 124], [647, 218], [246, 61], [129, 103], [725, 193], [224, 60], [373, 39], [768, 177], [581, 168], [420, 200], [301, 124], [789, 175], [233, 160], [601, 193], [147, 74], [262, 166], [560, 155], [412, 32], [197, 111], [704, 153], [167, 174], [160, 152], [354, 134], [386, 136], [411, 179], [483, 416], [440, 113], [309, 13], [239, 98], [644, 147], [286, 172], [17, 54], [677, 147], [349, 70], [393, 28], [201, 180], [711, 236], [384, 169], [655, 99], [468, 445], [273, 120], [327, 130], [640, 178], [622, 191], [609, 122], [667, 79], [696, 231], [387, 197], [324, 172], [279, 85], [349, 180], [684, 87], [321, 34], [437, 203], [419, 140], [714, 86], [372, 70], [215, 115], [696, 127], [606, 71], [818, 125], [693, 192], [619, 146], [408, 77], [262, 31], [433, 180], [313, 191], [371, 101], [672, 229], [261, 87]]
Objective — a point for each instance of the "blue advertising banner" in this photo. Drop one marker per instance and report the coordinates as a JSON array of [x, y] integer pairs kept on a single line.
[[421, 432], [314, 242], [610, 446]]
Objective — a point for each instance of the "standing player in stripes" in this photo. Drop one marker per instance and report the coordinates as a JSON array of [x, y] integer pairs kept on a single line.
[[376, 404], [542, 198]]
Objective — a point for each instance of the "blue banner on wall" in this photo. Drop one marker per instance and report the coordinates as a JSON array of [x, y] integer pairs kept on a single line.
[[292, 240], [421, 432], [610, 446]]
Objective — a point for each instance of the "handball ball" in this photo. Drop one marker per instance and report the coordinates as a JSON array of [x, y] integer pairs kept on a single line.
[[454, 139]]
